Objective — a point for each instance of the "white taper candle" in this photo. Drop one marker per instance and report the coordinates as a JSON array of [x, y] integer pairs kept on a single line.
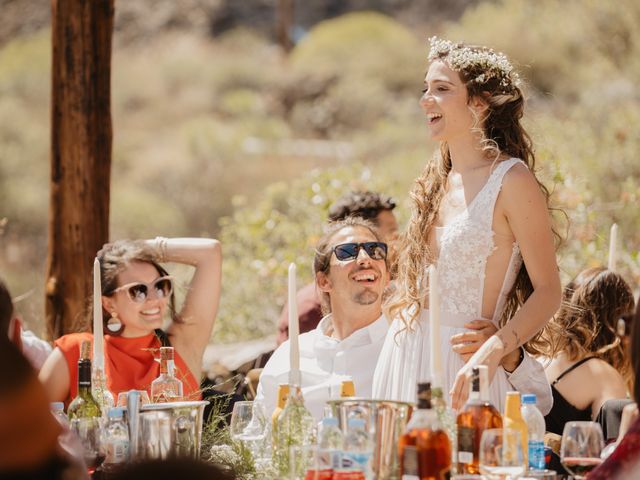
[[98, 340], [294, 329], [613, 247], [435, 356]]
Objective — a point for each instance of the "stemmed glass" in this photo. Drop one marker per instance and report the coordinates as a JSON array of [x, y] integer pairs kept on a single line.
[[501, 455], [582, 443], [89, 431], [249, 426]]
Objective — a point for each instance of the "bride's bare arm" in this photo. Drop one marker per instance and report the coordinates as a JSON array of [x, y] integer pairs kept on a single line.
[[528, 216], [526, 212]]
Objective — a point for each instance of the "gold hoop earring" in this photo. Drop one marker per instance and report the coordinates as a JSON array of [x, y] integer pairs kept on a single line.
[[114, 324]]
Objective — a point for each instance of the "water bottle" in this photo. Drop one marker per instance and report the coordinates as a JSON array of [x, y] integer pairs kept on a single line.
[[116, 439], [535, 430], [330, 443], [57, 410], [357, 456]]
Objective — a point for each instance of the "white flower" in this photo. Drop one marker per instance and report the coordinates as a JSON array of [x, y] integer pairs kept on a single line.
[[479, 64]]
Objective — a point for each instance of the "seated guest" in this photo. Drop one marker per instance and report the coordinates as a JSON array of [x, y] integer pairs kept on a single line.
[[35, 349], [350, 268], [348, 340], [136, 293], [624, 462], [589, 365], [372, 206], [28, 432]]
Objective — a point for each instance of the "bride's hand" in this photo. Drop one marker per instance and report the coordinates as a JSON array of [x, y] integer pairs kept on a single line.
[[490, 354]]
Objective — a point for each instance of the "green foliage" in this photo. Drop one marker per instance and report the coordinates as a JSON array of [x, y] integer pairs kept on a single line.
[[227, 129]]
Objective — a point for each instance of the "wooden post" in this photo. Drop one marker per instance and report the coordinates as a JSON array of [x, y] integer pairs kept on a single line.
[[284, 24], [81, 136]]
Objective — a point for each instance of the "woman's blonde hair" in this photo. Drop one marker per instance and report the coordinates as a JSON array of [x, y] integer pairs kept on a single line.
[[587, 321], [501, 133]]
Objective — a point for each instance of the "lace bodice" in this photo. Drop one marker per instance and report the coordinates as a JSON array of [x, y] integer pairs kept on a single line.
[[465, 246]]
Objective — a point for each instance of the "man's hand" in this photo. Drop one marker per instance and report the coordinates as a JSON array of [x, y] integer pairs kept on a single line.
[[468, 343]]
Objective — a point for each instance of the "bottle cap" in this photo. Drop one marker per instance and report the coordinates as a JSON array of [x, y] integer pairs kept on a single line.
[[529, 398], [116, 412], [356, 423], [56, 406], [330, 422]]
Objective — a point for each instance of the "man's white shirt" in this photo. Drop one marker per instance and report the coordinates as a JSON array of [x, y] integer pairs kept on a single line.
[[324, 363]]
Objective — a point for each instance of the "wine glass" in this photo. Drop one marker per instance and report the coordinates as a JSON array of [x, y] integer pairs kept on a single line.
[[249, 427], [89, 432], [501, 455], [582, 443]]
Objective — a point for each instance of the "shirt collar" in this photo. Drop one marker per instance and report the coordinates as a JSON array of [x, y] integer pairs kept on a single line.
[[374, 331]]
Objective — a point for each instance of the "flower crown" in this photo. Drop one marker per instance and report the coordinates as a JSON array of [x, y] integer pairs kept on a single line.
[[479, 64]]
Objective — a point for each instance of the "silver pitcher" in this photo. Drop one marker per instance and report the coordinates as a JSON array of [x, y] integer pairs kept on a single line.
[[385, 420], [161, 430]]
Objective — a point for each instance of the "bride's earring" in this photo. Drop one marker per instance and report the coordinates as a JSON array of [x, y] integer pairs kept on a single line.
[[114, 324]]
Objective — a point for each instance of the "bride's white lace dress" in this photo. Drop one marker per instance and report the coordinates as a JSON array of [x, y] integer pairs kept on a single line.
[[465, 245]]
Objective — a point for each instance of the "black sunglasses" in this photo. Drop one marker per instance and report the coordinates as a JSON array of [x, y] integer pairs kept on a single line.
[[350, 251], [139, 292]]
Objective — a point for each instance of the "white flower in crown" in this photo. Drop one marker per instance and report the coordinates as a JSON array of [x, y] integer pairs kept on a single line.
[[480, 64]]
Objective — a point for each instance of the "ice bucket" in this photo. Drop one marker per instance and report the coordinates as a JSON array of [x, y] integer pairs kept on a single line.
[[164, 430], [385, 421]]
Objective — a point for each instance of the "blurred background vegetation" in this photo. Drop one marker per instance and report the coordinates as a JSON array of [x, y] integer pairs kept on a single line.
[[217, 133]]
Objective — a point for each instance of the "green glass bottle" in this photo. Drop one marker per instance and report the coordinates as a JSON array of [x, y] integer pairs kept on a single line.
[[84, 405]]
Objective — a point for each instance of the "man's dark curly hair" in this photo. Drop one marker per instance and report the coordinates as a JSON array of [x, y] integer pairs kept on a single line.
[[367, 205]]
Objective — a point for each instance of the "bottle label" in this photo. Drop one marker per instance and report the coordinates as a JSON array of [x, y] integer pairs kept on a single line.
[[331, 458], [410, 468], [465, 444], [358, 461], [536, 455], [117, 451]]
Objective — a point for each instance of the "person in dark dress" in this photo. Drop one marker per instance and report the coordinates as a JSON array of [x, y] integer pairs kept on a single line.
[[589, 364]]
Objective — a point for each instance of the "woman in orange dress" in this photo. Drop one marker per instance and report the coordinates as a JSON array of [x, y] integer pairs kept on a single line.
[[137, 292]]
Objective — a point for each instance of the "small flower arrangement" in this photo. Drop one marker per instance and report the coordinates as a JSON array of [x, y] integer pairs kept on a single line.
[[479, 64]]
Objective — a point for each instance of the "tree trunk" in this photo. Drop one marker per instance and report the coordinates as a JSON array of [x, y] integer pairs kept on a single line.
[[81, 136], [285, 24]]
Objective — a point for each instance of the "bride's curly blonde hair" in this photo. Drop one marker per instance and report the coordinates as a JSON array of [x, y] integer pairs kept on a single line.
[[487, 75], [586, 324]]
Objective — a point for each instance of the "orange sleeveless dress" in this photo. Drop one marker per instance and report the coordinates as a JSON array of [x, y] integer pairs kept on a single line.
[[130, 363]]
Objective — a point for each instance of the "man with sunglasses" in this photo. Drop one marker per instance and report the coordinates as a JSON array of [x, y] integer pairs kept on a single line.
[[351, 273], [372, 206]]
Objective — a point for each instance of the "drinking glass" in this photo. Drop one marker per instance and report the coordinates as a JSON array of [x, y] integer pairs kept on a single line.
[[501, 455], [249, 426], [582, 443], [89, 431]]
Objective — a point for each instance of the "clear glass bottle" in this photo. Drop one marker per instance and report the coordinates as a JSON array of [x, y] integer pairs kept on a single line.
[[477, 415], [424, 449], [535, 431], [116, 439], [84, 405], [330, 444], [166, 388], [295, 427], [57, 410], [357, 456]]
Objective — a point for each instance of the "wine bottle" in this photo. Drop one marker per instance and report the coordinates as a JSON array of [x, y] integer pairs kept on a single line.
[[84, 405]]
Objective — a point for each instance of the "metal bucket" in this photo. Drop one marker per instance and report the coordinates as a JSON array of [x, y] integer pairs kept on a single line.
[[167, 430], [386, 421]]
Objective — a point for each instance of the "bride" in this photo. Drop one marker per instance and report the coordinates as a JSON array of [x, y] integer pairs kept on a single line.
[[482, 217]]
